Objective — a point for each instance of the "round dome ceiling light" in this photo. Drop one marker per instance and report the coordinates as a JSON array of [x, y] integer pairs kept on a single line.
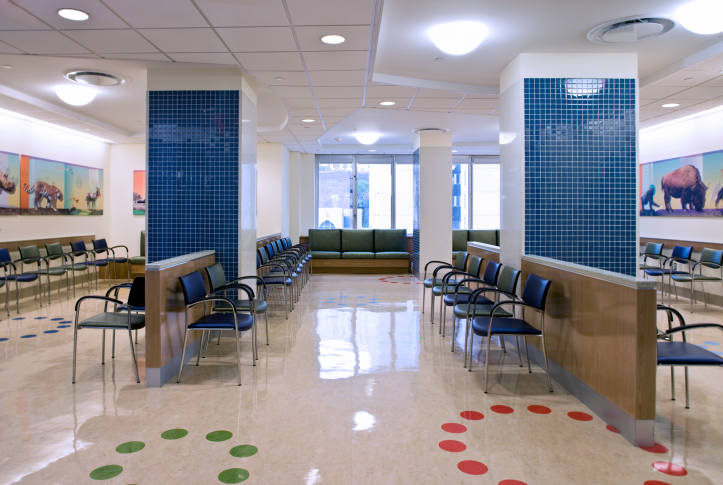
[[73, 14], [366, 138], [630, 29], [434, 131], [458, 38], [75, 95], [333, 39], [671, 105], [387, 103], [701, 16], [94, 78], [308, 120]]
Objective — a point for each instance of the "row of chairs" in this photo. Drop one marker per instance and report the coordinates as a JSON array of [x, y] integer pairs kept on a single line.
[[285, 267], [78, 260]]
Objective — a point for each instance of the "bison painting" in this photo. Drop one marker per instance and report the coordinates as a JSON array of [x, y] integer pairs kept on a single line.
[[687, 185]]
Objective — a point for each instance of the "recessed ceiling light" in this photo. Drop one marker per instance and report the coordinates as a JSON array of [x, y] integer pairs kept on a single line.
[[458, 38], [279, 78], [73, 14], [75, 95], [366, 138], [8, 66], [701, 16], [454, 151], [671, 105], [94, 78], [333, 39], [371, 150], [307, 120], [387, 103]]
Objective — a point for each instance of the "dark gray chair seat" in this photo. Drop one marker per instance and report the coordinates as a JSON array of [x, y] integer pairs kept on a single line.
[[114, 321]]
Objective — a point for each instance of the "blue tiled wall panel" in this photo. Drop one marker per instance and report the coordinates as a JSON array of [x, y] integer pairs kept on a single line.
[[580, 172], [415, 227], [193, 175]]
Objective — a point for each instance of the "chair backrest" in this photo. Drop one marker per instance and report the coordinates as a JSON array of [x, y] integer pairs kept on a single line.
[[270, 250], [258, 260], [653, 249], [711, 258], [54, 250], [461, 261], [278, 246], [78, 247], [508, 280], [137, 295], [5, 255], [475, 266], [194, 289], [100, 244], [684, 252], [288, 242], [492, 271], [283, 243], [216, 276], [29, 252], [535, 292]]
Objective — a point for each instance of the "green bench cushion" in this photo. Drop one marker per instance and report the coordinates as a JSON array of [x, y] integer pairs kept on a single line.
[[459, 240], [326, 254], [392, 255], [325, 240], [390, 241], [357, 241], [357, 255], [484, 236], [138, 260]]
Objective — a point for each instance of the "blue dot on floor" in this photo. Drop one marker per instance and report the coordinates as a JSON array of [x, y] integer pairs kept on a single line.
[[343, 297], [3, 339], [361, 304], [51, 331], [40, 318], [19, 318], [361, 296], [56, 319], [63, 326], [707, 342], [28, 336], [66, 321]]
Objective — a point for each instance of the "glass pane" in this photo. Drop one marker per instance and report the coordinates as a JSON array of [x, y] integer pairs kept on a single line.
[[374, 195], [404, 198], [335, 193], [460, 196], [486, 196]]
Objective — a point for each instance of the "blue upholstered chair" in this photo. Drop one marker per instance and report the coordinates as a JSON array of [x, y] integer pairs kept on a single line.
[[13, 275], [683, 353], [710, 259], [654, 253], [122, 317], [460, 264], [278, 277], [681, 255], [4, 281], [306, 250], [78, 250], [474, 268], [534, 297], [100, 246], [194, 293], [31, 254]]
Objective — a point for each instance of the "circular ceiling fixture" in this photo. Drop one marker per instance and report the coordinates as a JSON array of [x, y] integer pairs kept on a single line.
[[75, 95], [671, 105], [387, 103], [278, 78], [458, 38], [94, 78], [73, 14], [430, 130], [701, 16], [333, 39], [631, 29], [366, 138], [8, 66]]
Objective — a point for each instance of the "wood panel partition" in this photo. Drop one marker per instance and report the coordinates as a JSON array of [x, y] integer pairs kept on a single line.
[[165, 319], [486, 251], [669, 243], [263, 241]]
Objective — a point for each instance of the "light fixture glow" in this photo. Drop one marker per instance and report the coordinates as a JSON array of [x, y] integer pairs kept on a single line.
[[387, 103], [8, 66], [279, 78], [333, 39], [73, 14], [671, 105], [75, 95], [371, 150], [458, 38], [506, 138], [366, 138], [701, 16], [308, 120], [454, 151]]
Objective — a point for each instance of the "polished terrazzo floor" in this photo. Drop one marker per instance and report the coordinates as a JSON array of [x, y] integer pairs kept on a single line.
[[353, 389]]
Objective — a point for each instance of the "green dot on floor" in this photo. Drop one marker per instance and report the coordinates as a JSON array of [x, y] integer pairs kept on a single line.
[[106, 472], [233, 475], [244, 451], [174, 434], [219, 436], [130, 447]]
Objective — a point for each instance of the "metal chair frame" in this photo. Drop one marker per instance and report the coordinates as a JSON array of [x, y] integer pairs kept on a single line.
[[700, 279]]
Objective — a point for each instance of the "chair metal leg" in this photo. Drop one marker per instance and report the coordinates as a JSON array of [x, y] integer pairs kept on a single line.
[[102, 352], [266, 316], [702, 287], [112, 346], [133, 354], [502, 344], [471, 346], [442, 316], [136, 336], [183, 352], [487, 357], [75, 344], [519, 349], [219, 338], [431, 308], [547, 366], [527, 352], [454, 330], [254, 347], [238, 356], [200, 349], [17, 298], [672, 382], [424, 298], [687, 390]]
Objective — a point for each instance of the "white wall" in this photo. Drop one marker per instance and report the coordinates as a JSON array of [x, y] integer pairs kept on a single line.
[[125, 228], [29, 138], [690, 137], [307, 192], [271, 158]]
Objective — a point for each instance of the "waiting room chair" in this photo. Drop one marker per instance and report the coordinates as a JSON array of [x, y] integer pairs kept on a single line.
[[17, 277], [683, 353], [710, 259], [446, 289], [653, 252], [3, 282], [534, 296], [194, 293], [460, 264], [121, 318], [139, 260], [278, 277], [681, 255], [100, 246], [54, 251], [32, 254], [306, 250], [78, 250]]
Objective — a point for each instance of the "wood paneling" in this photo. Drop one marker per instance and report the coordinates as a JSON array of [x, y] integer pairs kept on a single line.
[[64, 241], [367, 266], [488, 254], [266, 240], [603, 333], [669, 243]]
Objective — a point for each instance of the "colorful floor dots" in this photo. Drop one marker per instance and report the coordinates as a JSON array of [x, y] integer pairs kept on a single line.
[[106, 472], [19, 318], [472, 415], [500, 409], [452, 445], [219, 435], [539, 409], [233, 475], [511, 482], [656, 448], [612, 428], [655, 482], [708, 342], [63, 326], [454, 428], [130, 447], [578, 416], [66, 321], [51, 331], [56, 319], [670, 468], [243, 451], [28, 336], [40, 318], [3, 339], [471, 467], [174, 434]]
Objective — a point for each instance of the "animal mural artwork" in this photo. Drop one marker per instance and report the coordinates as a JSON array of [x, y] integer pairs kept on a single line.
[[687, 185], [44, 190], [91, 199], [647, 198], [5, 183]]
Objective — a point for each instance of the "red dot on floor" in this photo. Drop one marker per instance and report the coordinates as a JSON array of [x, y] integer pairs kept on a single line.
[[452, 445], [471, 467], [406, 283], [511, 482], [539, 409], [670, 468], [454, 428], [502, 409], [473, 415], [420, 283], [577, 415], [656, 448], [393, 281], [612, 428], [655, 482]]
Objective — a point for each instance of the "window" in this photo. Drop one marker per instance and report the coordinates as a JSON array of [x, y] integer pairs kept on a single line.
[[460, 194], [374, 194], [486, 195], [404, 197], [336, 193]]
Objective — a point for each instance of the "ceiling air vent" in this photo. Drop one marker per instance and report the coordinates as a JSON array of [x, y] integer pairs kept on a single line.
[[430, 130], [631, 29], [95, 78]]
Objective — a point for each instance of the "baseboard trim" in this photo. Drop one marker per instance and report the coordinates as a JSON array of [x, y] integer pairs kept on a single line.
[[157, 376]]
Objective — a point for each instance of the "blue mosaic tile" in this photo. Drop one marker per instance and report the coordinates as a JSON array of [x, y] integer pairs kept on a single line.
[[580, 172]]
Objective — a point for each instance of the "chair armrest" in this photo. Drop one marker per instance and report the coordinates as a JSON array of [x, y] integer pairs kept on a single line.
[[209, 298], [96, 297], [258, 280], [693, 326], [436, 262], [509, 302], [446, 277], [473, 278], [249, 292], [122, 285], [446, 266]]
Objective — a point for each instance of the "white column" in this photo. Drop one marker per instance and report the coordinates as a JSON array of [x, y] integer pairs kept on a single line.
[[307, 193], [247, 181], [293, 206], [272, 189]]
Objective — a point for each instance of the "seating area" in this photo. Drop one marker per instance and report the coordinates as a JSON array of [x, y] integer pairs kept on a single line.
[[359, 250], [460, 238]]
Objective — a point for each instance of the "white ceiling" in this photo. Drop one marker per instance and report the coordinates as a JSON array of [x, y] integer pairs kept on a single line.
[[331, 84]]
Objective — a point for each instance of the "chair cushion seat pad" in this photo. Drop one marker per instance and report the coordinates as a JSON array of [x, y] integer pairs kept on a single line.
[[56, 271], [222, 321], [503, 326], [696, 277], [22, 278], [437, 290], [326, 254], [278, 281], [357, 255], [118, 259], [114, 320], [464, 298], [138, 260], [460, 311], [684, 353], [661, 272], [242, 306], [428, 283], [391, 255]]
